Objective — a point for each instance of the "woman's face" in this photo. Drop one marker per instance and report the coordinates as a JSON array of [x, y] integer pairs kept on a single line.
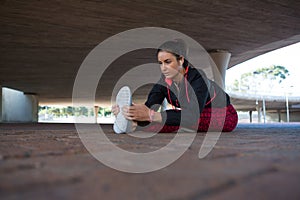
[[169, 65]]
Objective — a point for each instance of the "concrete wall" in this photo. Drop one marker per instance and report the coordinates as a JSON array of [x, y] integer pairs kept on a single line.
[[0, 103], [18, 107]]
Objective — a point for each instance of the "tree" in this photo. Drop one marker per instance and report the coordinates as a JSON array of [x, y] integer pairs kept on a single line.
[[274, 72], [70, 111], [261, 79], [55, 111]]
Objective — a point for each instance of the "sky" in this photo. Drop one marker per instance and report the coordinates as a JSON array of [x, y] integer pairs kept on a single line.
[[289, 57]]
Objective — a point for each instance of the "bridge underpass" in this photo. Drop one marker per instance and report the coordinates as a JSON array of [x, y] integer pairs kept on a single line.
[[42, 46]]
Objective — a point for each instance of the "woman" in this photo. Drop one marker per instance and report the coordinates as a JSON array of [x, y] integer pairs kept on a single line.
[[194, 98]]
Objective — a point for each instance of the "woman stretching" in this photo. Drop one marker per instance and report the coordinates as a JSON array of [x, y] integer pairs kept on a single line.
[[195, 99]]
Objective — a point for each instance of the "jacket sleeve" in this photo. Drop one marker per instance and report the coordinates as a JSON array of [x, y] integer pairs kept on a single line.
[[155, 97]]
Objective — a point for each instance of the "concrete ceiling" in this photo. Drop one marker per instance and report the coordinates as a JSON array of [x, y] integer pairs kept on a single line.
[[43, 43]]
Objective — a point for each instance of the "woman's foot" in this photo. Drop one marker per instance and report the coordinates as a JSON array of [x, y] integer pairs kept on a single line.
[[122, 125]]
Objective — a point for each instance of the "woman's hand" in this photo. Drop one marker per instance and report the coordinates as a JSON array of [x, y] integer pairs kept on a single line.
[[136, 112], [115, 109]]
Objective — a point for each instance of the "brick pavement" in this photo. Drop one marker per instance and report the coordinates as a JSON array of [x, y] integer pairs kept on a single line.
[[49, 161]]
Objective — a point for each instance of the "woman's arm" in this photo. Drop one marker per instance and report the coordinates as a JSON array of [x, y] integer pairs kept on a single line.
[[141, 113], [146, 113]]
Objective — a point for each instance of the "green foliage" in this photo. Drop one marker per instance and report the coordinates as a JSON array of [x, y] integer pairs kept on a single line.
[[254, 80], [71, 111], [104, 112], [274, 72], [81, 111]]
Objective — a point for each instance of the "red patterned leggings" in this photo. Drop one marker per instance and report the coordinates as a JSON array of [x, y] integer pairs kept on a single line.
[[222, 117]]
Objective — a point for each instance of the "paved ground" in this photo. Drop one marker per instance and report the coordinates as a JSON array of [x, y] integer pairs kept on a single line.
[[48, 161]]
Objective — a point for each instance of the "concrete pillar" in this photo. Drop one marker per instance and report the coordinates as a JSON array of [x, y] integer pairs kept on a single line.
[[33, 100], [258, 108], [279, 115], [0, 104], [250, 115], [19, 107], [96, 110], [264, 109], [221, 58]]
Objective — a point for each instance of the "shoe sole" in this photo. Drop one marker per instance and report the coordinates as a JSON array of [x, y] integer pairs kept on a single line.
[[122, 125]]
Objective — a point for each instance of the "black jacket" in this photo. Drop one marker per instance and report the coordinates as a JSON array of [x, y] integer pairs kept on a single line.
[[195, 93]]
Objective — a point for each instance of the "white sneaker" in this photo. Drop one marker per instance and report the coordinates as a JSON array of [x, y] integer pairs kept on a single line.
[[122, 125]]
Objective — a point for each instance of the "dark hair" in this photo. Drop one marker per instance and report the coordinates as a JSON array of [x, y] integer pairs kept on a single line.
[[177, 47]]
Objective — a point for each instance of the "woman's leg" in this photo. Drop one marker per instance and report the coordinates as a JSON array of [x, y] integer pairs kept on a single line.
[[223, 117], [205, 123], [231, 119], [159, 128]]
